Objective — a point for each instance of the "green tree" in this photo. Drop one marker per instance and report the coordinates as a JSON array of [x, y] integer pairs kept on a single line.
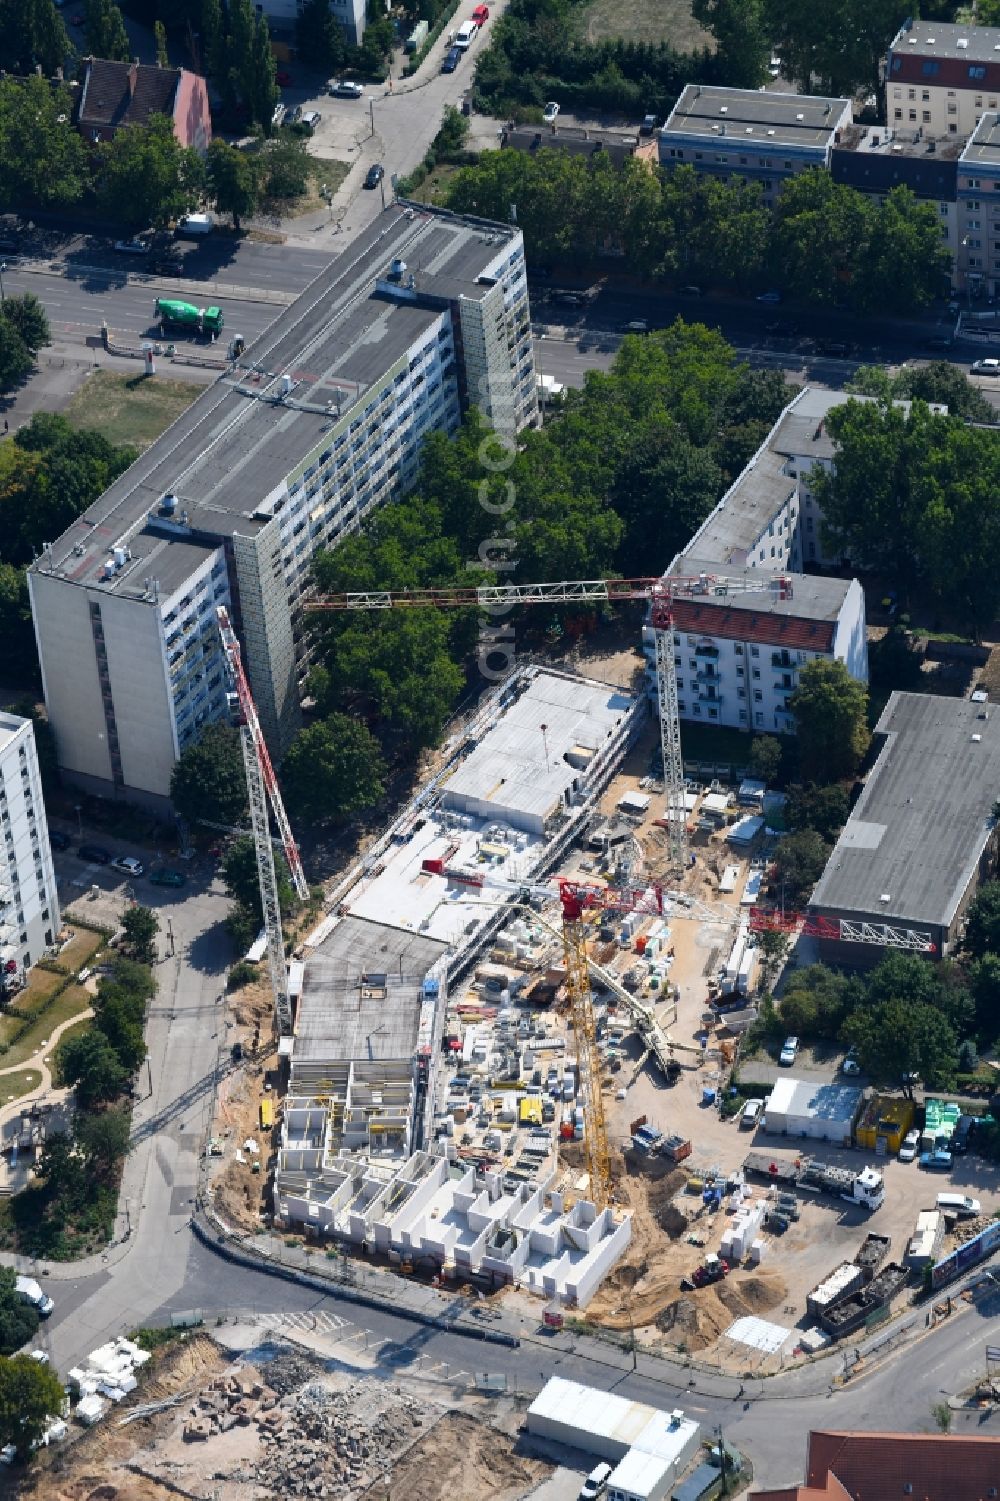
[[982, 923], [904, 263], [816, 1001], [213, 39], [28, 318], [16, 360], [30, 1394], [453, 134], [16, 629], [141, 927], [32, 34], [44, 157], [333, 769], [774, 947], [818, 231], [105, 31], [941, 381], [830, 709], [319, 37], [233, 180], [146, 176], [901, 1037], [103, 1139], [894, 664], [264, 92], [89, 1063], [799, 862], [401, 670], [208, 782], [18, 1320], [160, 34], [116, 1020], [835, 48], [287, 168], [239, 871], [742, 42], [824, 809], [765, 757], [48, 476]]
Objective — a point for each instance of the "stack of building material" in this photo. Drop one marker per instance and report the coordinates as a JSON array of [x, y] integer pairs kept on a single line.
[[108, 1372], [741, 1233]]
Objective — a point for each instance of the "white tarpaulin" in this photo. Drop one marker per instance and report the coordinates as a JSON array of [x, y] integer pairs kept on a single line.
[[758, 1334]]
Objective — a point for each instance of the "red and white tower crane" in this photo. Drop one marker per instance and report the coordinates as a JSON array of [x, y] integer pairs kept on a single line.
[[262, 787], [661, 595]]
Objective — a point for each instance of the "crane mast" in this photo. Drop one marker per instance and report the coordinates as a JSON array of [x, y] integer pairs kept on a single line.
[[262, 787]]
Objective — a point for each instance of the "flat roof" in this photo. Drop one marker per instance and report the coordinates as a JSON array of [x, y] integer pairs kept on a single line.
[[341, 1018], [705, 111], [918, 830], [592, 1413], [983, 148], [945, 39], [806, 619], [10, 726], [522, 765], [242, 435], [800, 1097]]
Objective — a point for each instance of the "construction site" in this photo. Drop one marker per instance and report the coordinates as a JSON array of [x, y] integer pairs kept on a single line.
[[503, 1051]]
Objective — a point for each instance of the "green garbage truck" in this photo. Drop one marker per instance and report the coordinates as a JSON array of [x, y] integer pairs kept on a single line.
[[172, 314]]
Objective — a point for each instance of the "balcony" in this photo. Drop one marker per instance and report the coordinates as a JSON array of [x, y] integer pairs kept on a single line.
[[783, 659], [709, 694], [708, 651], [708, 674]]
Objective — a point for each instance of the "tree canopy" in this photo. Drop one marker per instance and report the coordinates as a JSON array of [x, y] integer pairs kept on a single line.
[[831, 719], [799, 862], [32, 34], [209, 781], [834, 48], [146, 177], [30, 1395], [333, 769], [49, 474], [916, 498], [105, 31]]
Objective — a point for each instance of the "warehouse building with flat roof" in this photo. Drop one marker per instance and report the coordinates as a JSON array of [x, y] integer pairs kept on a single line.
[[319, 423], [922, 835]]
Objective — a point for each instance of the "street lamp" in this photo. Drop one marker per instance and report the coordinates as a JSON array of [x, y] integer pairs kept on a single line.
[[78, 810], [3, 267]]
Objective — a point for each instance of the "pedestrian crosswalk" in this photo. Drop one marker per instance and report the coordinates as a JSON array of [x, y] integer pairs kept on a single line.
[[321, 1322]]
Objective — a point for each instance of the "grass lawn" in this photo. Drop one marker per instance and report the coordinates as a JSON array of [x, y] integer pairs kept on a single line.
[[328, 172], [80, 950], [133, 409], [13, 1086], [645, 21], [703, 742], [72, 1001], [432, 189]]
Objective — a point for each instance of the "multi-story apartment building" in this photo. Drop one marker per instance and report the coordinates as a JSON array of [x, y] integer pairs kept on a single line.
[[738, 656], [425, 315], [942, 78], [29, 904], [979, 208], [874, 159], [283, 14], [753, 134]]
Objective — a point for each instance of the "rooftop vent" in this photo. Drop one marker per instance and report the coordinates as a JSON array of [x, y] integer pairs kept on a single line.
[[120, 555], [976, 739], [963, 41], [109, 568], [885, 898], [770, 132], [724, 109], [286, 385], [396, 269], [800, 117], [168, 504], [912, 41]]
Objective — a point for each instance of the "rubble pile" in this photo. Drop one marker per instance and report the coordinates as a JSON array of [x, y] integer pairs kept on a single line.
[[311, 1439], [323, 1443]]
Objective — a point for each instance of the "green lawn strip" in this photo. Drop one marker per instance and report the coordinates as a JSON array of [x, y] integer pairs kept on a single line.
[[644, 21], [130, 409], [23, 1081], [73, 1000]]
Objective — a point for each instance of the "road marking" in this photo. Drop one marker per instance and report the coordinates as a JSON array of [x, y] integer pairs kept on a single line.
[[311, 1322]]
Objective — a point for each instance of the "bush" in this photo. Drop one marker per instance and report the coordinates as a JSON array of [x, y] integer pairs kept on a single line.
[[242, 973]]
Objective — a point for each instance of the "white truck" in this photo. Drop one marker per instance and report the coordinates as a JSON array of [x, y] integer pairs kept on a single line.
[[28, 1289]]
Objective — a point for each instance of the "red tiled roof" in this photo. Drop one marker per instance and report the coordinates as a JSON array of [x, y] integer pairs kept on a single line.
[[703, 617], [831, 1491], [110, 99], [877, 1466]]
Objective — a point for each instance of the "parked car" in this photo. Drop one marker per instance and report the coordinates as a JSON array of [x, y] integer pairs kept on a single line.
[[309, 120], [911, 1141], [164, 877], [195, 226], [986, 367], [637, 326], [375, 174], [938, 1161], [345, 89], [959, 1206], [961, 1137], [95, 853], [751, 1114], [596, 1482], [481, 15], [769, 297], [58, 840], [648, 125], [850, 1064], [689, 291], [550, 111], [788, 1052], [132, 247], [451, 60], [128, 864]]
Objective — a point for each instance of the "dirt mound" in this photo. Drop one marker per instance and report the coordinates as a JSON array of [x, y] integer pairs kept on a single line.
[[696, 1319], [757, 1293], [463, 1460]]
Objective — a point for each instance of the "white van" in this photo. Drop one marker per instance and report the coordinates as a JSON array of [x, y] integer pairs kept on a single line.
[[596, 1483], [465, 35], [194, 226], [960, 1206]]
